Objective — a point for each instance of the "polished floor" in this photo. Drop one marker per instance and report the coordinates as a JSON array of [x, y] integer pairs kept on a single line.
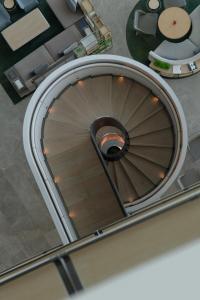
[[25, 226]]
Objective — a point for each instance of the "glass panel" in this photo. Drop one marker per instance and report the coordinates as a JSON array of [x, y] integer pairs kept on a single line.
[[138, 244], [190, 173]]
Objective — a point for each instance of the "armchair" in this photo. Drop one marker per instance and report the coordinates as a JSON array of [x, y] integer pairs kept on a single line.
[[27, 5], [145, 23], [177, 3], [4, 18]]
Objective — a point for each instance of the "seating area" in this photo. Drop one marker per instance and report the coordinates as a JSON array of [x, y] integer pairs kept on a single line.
[[5, 17], [145, 23], [59, 7], [7, 25], [164, 34], [25, 29], [57, 31], [179, 59], [27, 74], [76, 40]]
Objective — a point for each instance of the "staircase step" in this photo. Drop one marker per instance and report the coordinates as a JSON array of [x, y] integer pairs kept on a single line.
[[69, 163], [140, 182], [164, 138], [132, 143], [54, 129], [160, 121], [72, 159], [54, 146], [120, 91], [91, 202], [126, 190], [139, 121], [85, 189], [63, 113], [76, 106], [98, 92], [154, 172], [148, 108], [135, 99], [71, 167], [159, 156]]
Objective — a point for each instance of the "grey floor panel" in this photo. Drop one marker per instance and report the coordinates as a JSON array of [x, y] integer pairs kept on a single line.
[[26, 228]]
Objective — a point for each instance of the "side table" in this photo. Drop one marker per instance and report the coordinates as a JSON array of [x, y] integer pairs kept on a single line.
[[153, 5], [9, 4]]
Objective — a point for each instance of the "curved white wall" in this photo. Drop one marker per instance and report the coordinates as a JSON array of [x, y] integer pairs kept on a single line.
[[69, 74]]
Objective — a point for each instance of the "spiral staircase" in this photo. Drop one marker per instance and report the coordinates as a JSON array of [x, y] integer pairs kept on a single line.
[[111, 142]]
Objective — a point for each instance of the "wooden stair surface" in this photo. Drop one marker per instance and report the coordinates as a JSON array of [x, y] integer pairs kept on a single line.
[[74, 164]]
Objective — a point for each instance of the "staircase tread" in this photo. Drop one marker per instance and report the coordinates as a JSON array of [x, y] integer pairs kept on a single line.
[[141, 183], [145, 119], [133, 112], [125, 187], [158, 138], [153, 172], [145, 110], [120, 90], [149, 145], [54, 129], [160, 121], [134, 99], [70, 153], [161, 157]]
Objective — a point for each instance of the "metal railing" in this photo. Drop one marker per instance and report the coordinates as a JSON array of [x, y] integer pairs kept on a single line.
[[99, 123], [166, 204]]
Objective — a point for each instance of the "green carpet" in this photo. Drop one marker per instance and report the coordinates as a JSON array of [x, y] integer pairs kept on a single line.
[[8, 58], [140, 45]]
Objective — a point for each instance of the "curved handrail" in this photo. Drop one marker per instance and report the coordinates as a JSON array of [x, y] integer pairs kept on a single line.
[[106, 121], [169, 203], [39, 104], [153, 56]]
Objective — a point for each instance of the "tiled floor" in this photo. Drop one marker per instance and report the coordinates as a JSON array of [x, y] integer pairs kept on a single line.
[[25, 226]]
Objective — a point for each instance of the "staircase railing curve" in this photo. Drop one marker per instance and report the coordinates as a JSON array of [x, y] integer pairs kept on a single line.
[[41, 102]]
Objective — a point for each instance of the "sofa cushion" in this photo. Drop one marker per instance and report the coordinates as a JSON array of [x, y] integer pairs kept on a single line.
[[63, 13], [27, 5], [37, 58], [196, 51], [39, 70], [63, 40], [176, 51], [72, 4], [195, 34]]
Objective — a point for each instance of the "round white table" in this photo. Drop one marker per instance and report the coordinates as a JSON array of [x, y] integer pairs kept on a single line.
[[153, 4], [9, 4], [174, 23]]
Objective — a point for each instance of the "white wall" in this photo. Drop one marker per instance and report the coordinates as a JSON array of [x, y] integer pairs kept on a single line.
[[174, 275]]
